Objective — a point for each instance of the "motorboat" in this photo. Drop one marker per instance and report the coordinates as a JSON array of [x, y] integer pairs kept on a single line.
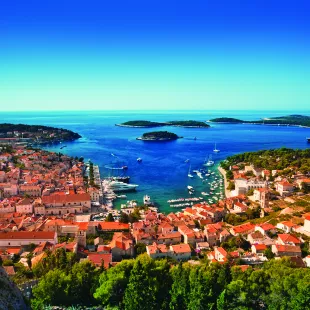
[[190, 188], [117, 186], [189, 172], [139, 160], [209, 162]]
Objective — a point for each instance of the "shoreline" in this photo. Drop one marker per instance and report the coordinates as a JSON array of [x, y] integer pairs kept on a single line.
[[223, 173], [262, 124], [168, 125]]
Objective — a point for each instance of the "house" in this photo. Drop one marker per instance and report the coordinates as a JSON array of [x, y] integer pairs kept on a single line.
[[30, 190], [100, 259], [257, 194], [60, 204], [18, 238], [181, 251], [188, 234], [157, 250], [307, 224], [256, 237], [243, 185], [242, 229], [258, 248], [220, 254], [305, 181], [284, 188], [170, 238], [9, 270], [286, 226], [286, 250], [307, 260], [121, 246], [265, 228], [202, 246], [240, 207], [287, 239], [25, 206]]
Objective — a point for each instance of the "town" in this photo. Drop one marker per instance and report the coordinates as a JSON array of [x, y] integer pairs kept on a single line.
[[50, 201]]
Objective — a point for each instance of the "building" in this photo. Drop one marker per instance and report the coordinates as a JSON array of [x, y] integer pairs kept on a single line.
[[30, 190], [284, 188], [25, 206], [243, 185], [286, 250], [18, 238], [58, 204], [121, 246], [258, 248]]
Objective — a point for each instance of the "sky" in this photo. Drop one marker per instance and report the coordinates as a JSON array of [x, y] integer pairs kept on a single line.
[[154, 54]]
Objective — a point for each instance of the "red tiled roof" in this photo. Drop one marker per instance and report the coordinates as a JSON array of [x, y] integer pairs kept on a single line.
[[287, 238], [56, 198], [114, 226], [98, 259], [260, 247], [288, 248], [16, 235], [181, 248]]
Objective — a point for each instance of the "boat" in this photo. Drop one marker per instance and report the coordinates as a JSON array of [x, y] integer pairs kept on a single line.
[[189, 172], [190, 188], [139, 160], [186, 161], [209, 162], [124, 179], [215, 149], [122, 196], [124, 167], [117, 186], [147, 200], [204, 194], [199, 175]]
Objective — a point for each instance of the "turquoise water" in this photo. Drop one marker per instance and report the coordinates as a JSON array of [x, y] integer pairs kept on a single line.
[[163, 172]]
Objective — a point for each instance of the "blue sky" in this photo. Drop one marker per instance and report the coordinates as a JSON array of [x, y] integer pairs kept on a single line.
[[113, 55]]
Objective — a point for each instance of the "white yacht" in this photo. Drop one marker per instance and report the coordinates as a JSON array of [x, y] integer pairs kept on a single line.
[[147, 200], [190, 188], [209, 162], [139, 160], [199, 175], [189, 172], [121, 187], [215, 149]]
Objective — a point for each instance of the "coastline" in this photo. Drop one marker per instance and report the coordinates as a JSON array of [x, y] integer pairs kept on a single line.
[[223, 173]]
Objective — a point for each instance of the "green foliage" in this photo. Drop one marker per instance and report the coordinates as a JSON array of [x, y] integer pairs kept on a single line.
[[268, 253], [231, 186], [59, 287], [140, 248], [229, 175], [159, 135], [234, 243], [124, 218], [109, 218]]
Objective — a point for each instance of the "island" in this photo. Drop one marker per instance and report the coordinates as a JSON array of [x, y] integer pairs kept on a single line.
[[226, 120], [159, 136], [35, 134], [150, 124], [289, 120]]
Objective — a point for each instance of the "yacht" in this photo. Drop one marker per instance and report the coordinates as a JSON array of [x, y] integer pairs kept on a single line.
[[139, 160], [117, 186], [209, 162], [190, 188], [204, 194], [122, 196], [215, 149], [199, 175], [186, 161], [189, 172], [147, 200]]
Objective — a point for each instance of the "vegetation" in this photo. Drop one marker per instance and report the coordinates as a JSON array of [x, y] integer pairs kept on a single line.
[[293, 120], [159, 136], [145, 283], [149, 124], [37, 131], [278, 159], [226, 120]]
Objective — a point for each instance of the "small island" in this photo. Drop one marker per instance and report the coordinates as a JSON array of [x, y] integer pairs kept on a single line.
[[226, 120], [289, 120], [35, 134], [159, 136], [150, 124]]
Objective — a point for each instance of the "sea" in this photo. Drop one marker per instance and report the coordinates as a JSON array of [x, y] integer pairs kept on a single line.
[[163, 172]]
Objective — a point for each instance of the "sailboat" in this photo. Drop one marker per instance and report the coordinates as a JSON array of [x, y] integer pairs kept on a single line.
[[189, 172], [209, 162], [215, 149]]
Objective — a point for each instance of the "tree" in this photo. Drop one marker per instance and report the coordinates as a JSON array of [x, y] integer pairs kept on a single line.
[[113, 283], [268, 253], [229, 175], [109, 218], [140, 248], [124, 218]]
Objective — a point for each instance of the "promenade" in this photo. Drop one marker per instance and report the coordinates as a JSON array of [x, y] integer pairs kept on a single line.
[[223, 173]]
